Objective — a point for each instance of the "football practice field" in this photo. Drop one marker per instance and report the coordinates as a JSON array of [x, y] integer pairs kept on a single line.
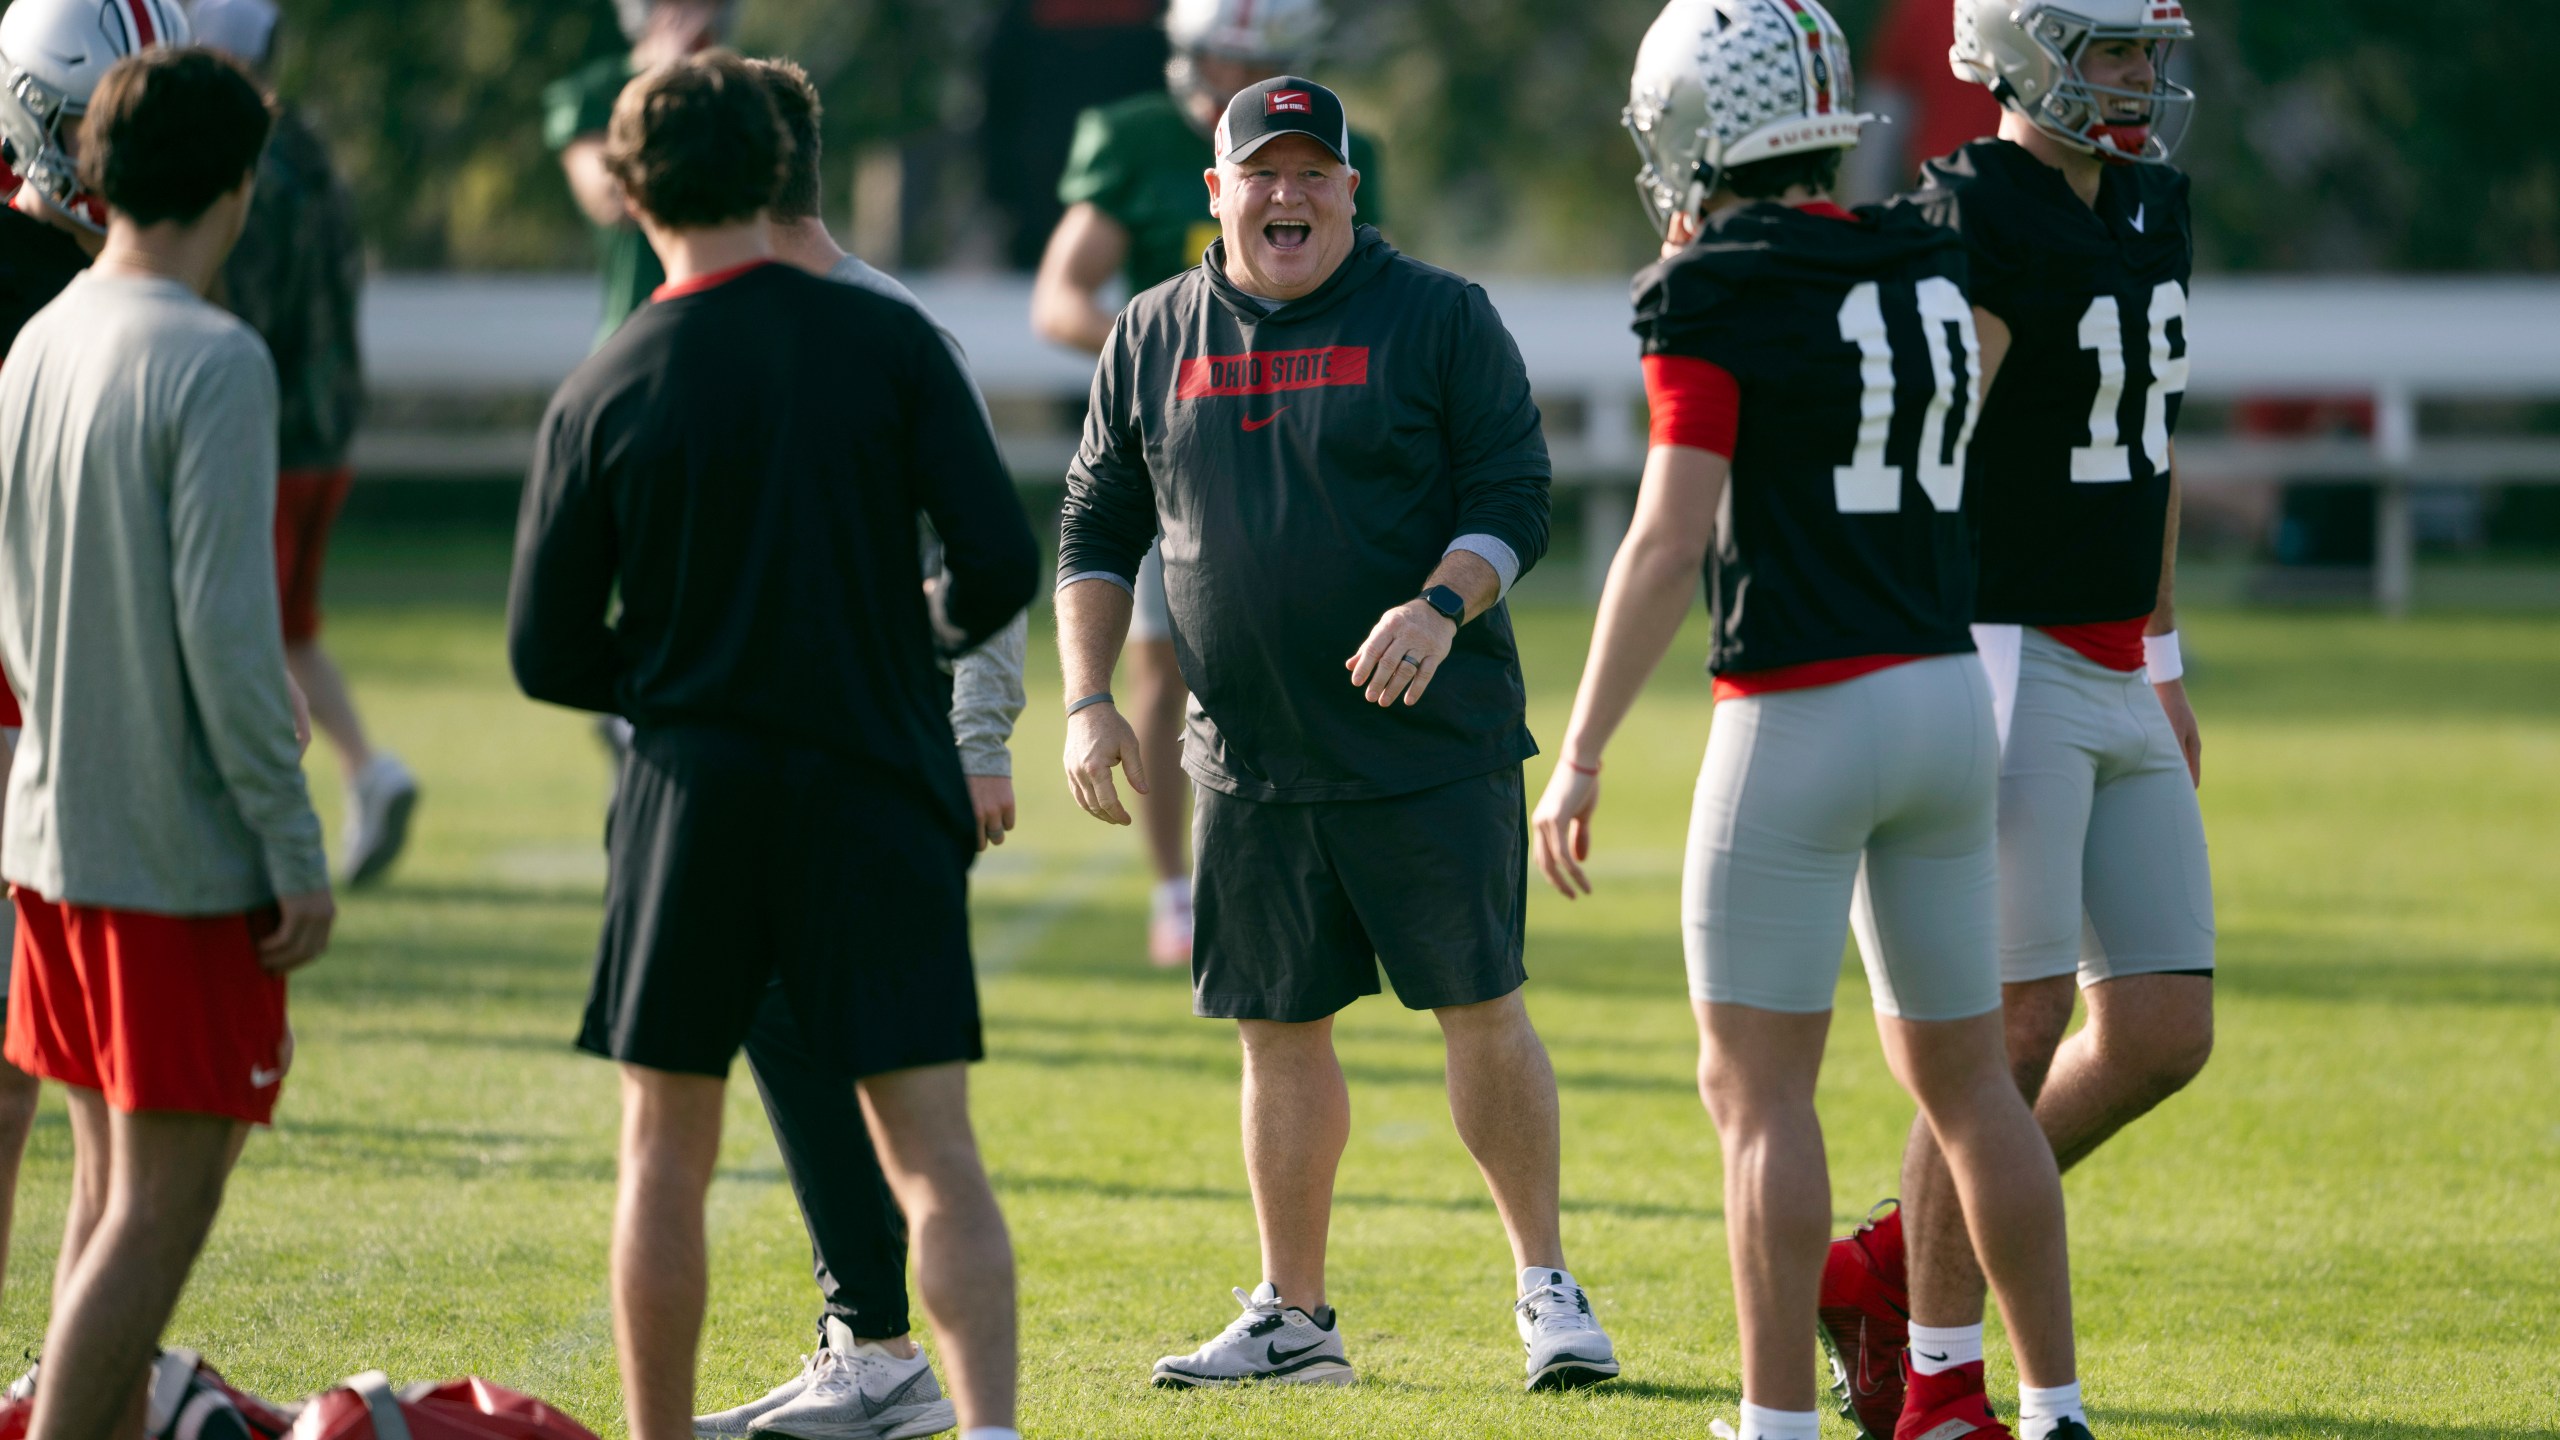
[[2349, 1227]]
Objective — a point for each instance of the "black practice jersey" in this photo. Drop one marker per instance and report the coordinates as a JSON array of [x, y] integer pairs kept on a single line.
[[36, 262], [2071, 463], [1853, 348]]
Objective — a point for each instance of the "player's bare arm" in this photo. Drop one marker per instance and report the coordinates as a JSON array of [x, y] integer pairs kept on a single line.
[[1085, 251], [1406, 646], [2164, 622], [1651, 585], [1093, 621], [598, 194]]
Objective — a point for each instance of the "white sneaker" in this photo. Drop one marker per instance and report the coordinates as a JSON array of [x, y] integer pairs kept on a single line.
[[378, 809], [858, 1391], [1271, 1340], [1567, 1350], [734, 1423], [24, 1387]]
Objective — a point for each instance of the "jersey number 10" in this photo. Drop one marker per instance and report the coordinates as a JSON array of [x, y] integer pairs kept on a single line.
[[2103, 460], [1870, 484]]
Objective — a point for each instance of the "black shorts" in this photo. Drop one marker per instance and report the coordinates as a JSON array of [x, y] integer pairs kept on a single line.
[[735, 862], [1297, 905]]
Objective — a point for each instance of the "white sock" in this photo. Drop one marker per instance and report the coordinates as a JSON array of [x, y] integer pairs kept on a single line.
[[1173, 894], [1761, 1423], [1537, 1275], [2041, 1412], [990, 1432], [1935, 1351]]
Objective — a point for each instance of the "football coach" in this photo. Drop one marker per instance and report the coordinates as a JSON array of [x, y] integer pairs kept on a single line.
[[1340, 450]]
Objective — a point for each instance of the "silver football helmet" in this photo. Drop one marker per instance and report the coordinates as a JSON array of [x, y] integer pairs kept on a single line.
[[634, 15], [2028, 53], [1720, 83], [53, 53], [1278, 34]]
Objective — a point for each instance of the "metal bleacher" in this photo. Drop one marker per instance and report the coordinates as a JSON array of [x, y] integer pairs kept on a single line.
[[2399, 342]]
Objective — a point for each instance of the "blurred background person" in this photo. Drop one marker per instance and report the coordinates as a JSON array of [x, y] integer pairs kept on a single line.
[[52, 55], [1048, 61], [1138, 211], [1907, 79], [575, 110], [295, 277]]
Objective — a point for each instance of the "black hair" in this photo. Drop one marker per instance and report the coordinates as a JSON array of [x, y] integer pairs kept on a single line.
[[171, 131], [1768, 179]]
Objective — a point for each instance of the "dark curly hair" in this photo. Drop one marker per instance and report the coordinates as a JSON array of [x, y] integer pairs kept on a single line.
[[170, 131], [795, 100], [696, 143], [1771, 178]]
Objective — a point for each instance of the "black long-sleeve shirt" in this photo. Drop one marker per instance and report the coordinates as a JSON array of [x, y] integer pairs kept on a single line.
[[1309, 465], [743, 464]]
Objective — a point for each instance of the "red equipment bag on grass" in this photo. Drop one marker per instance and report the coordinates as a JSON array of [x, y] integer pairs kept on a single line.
[[366, 1408]]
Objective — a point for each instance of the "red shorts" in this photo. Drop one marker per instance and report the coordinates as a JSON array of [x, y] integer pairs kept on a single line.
[[157, 1012], [10, 719], [307, 504]]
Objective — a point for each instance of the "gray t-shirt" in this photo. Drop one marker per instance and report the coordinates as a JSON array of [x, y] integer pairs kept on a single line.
[[158, 770]]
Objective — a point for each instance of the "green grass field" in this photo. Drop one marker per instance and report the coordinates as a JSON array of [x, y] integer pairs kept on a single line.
[[2350, 1227]]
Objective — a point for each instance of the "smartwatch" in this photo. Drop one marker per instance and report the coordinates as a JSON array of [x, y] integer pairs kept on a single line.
[[1451, 605]]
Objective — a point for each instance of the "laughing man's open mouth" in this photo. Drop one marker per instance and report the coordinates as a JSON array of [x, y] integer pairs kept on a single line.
[[1286, 235]]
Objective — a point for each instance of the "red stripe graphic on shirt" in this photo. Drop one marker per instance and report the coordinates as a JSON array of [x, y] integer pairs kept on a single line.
[[1271, 371], [144, 37]]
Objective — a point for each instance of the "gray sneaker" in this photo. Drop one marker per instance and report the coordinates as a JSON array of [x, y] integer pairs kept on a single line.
[[378, 808], [733, 1424], [1271, 1340], [858, 1391]]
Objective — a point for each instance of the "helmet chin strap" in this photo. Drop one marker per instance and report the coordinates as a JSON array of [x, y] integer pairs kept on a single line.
[[2122, 144]]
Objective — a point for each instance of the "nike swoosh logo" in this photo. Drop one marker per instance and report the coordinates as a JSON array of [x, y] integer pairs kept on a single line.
[[1277, 1356], [2137, 215], [1932, 1359], [1251, 425], [260, 1078]]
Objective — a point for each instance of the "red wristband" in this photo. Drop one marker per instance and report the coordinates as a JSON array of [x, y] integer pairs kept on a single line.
[[1581, 769]]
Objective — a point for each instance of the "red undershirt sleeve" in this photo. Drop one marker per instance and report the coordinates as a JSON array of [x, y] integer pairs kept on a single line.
[[1696, 403]]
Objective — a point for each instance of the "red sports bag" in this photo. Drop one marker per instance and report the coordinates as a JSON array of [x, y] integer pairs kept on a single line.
[[366, 1408]]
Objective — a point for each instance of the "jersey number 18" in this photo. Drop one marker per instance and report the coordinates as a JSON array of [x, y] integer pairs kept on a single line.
[[2103, 460], [1870, 484]]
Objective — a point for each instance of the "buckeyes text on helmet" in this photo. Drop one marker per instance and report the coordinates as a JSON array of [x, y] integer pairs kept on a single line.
[[2032, 54], [1721, 83], [53, 53]]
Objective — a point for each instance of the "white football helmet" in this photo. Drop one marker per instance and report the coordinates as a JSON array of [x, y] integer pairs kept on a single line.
[[2028, 53], [53, 53], [634, 15], [1721, 83], [1279, 35]]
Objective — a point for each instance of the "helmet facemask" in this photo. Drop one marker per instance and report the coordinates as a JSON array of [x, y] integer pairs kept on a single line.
[[32, 128], [2074, 108], [1660, 187]]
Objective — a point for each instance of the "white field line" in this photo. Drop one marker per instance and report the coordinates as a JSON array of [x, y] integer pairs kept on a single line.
[[1009, 944]]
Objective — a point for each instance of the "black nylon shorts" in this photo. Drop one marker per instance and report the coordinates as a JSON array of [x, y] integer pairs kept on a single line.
[[1297, 906], [735, 862]]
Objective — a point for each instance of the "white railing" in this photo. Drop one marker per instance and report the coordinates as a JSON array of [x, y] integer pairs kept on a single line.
[[2400, 342]]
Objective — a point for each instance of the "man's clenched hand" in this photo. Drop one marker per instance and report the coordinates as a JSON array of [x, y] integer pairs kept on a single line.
[[1099, 737]]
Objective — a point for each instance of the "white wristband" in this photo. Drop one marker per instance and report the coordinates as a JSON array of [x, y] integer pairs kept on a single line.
[[2160, 655]]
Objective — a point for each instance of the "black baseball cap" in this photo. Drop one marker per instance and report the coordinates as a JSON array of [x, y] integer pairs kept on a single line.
[[1283, 105]]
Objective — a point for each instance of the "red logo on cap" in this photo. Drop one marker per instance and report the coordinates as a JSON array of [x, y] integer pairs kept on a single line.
[[1294, 101]]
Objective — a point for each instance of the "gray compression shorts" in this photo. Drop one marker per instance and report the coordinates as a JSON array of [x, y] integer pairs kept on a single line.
[[2103, 868], [1149, 617], [1868, 802]]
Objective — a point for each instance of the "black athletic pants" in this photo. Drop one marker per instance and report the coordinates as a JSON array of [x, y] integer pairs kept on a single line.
[[857, 1235]]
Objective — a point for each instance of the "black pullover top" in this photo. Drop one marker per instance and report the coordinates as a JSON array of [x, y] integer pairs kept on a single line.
[[745, 464], [1309, 466]]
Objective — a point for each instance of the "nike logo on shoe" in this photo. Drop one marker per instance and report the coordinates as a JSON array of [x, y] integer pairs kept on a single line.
[[1277, 1356], [1251, 424]]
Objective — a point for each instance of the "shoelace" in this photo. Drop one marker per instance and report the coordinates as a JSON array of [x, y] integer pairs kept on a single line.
[[844, 1373], [1255, 1313], [1558, 1303]]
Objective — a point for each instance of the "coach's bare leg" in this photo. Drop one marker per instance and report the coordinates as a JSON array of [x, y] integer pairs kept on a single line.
[[333, 709], [1756, 1072], [19, 1092], [1502, 1093], [670, 1142], [1156, 694], [164, 1180], [2147, 1037], [963, 1256], [1297, 1118], [2007, 1185]]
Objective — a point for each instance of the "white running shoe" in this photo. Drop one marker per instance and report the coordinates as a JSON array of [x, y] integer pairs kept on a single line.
[[858, 1391], [1567, 1349], [1271, 1340], [733, 1424], [24, 1387], [378, 808]]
